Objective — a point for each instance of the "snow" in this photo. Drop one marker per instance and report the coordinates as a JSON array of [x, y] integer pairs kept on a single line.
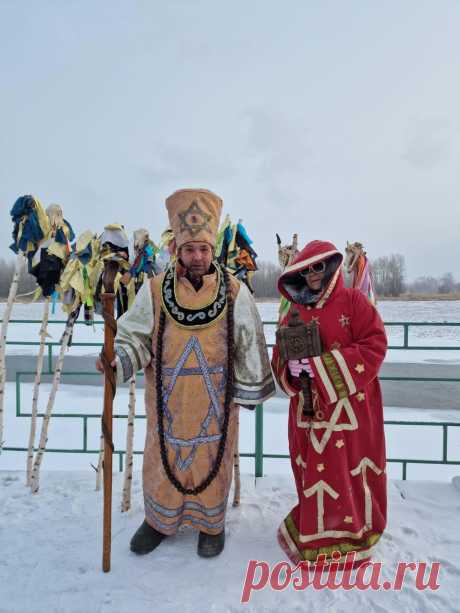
[[51, 542], [51, 552]]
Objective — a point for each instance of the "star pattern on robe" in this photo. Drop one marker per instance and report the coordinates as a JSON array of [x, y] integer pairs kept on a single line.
[[320, 467], [344, 320], [360, 368], [348, 519], [335, 345], [214, 414], [339, 444], [360, 396]]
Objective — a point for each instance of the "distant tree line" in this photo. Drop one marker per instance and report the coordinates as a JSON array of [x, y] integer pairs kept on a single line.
[[389, 274], [26, 282], [446, 284], [390, 279], [265, 280]]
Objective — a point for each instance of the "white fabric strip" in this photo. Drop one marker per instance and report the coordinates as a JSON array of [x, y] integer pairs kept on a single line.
[[290, 391], [337, 534], [287, 537], [325, 379], [305, 263]]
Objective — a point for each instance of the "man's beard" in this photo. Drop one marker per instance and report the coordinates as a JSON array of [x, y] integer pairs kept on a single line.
[[195, 274]]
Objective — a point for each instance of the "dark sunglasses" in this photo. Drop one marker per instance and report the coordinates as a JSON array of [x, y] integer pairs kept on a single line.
[[316, 267]]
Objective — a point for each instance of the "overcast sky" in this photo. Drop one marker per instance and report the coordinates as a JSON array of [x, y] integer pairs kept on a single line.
[[335, 119]]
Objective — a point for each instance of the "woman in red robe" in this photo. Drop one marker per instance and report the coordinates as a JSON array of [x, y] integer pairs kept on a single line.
[[338, 455]]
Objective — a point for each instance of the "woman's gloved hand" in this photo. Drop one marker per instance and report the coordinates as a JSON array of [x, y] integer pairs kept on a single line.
[[298, 366]]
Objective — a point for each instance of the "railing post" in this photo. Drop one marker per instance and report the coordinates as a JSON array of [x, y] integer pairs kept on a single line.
[[50, 358], [444, 443], [18, 395], [406, 335], [85, 433], [259, 452]]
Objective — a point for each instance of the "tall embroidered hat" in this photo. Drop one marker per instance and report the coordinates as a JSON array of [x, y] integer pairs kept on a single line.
[[194, 215]]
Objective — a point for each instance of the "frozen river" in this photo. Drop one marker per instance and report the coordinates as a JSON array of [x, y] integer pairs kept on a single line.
[[391, 311]]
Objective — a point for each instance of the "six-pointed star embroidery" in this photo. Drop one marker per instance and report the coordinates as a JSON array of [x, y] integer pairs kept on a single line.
[[331, 426], [348, 519], [360, 396], [339, 444], [320, 468], [359, 368], [194, 219]]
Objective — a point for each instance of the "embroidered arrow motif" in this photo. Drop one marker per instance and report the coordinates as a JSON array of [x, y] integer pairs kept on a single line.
[[300, 462], [319, 488], [362, 468]]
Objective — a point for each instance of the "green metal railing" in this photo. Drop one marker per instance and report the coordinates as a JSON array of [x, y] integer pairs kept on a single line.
[[258, 453]]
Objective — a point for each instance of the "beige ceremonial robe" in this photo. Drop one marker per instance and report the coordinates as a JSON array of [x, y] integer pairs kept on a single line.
[[194, 366]]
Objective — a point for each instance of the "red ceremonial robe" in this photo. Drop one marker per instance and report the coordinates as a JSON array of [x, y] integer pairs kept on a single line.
[[338, 456]]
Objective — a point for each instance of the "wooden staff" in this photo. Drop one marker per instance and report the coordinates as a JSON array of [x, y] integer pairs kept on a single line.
[[107, 357], [6, 318], [99, 463], [38, 376], [128, 479], [236, 463]]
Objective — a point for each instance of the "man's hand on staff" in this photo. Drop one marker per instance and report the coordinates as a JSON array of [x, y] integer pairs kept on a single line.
[[100, 367], [297, 366]]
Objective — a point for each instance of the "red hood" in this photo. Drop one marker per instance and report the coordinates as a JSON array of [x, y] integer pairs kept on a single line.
[[313, 252]]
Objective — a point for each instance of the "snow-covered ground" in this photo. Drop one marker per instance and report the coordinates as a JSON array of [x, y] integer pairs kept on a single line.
[[51, 542], [51, 552], [417, 311]]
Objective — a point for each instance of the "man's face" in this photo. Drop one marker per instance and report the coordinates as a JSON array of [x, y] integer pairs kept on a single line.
[[196, 256]]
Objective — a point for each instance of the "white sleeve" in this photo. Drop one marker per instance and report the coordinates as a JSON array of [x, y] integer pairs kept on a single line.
[[253, 376], [133, 342]]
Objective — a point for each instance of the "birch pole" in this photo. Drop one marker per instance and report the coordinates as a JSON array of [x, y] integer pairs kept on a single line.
[[6, 318], [128, 479], [38, 375], [49, 408]]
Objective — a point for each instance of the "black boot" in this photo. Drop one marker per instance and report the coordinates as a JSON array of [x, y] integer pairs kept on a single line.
[[210, 545], [146, 539]]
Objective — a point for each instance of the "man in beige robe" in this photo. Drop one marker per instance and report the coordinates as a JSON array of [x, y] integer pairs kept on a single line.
[[202, 325]]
